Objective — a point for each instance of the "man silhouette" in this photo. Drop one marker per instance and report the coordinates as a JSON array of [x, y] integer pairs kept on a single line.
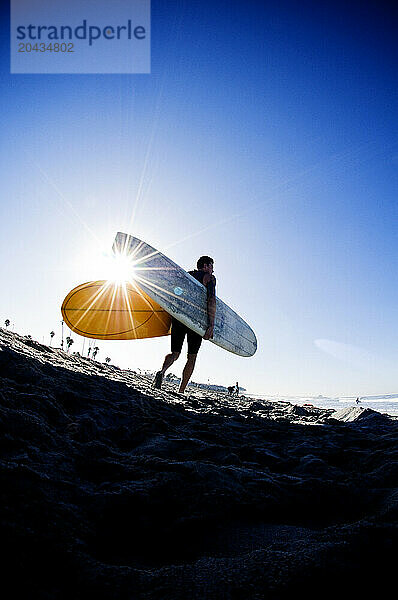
[[203, 274]]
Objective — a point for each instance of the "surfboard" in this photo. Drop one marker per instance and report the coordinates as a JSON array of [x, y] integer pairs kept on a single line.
[[183, 297], [105, 310]]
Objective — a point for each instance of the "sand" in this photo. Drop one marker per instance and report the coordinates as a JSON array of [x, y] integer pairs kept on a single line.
[[111, 489]]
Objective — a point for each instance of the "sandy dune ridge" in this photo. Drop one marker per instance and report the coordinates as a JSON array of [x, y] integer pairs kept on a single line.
[[111, 489]]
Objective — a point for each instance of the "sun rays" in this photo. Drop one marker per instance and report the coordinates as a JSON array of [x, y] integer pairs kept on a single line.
[[143, 261], [132, 281], [124, 270]]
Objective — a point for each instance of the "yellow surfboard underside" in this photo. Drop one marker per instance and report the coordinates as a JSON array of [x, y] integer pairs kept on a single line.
[[105, 310]]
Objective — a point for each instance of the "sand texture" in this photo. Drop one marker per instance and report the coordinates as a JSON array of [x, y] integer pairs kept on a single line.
[[113, 490]]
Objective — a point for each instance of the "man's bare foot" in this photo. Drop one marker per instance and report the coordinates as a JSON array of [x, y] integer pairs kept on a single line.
[[158, 380]]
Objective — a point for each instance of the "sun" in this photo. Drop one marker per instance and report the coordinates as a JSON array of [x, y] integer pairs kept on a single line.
[[121, 268], [116, 268]]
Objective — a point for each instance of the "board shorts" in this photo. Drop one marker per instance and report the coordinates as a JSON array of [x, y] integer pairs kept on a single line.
[[178, 333]]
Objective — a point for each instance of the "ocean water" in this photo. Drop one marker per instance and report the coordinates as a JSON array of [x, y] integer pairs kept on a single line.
[[383, 404]]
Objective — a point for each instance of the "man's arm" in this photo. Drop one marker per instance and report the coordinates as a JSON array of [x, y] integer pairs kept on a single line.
[[210, 282]]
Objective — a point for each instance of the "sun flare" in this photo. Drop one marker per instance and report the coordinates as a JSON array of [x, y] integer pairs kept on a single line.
[[123, 268], [116, 268]]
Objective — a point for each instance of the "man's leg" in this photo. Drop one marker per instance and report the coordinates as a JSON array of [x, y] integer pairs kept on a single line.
[[194, 342], [187, 372], [178, 331], [168, 361]]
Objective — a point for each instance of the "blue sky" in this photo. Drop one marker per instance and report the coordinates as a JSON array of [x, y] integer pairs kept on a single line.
[[264, 136]]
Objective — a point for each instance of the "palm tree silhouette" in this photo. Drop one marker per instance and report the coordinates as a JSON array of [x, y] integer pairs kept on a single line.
[[107, 360], [69, 343], [51, 336], [7, 322], [95, 352]]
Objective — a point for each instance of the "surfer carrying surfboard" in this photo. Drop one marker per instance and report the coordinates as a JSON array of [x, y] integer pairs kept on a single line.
[[203, 274]]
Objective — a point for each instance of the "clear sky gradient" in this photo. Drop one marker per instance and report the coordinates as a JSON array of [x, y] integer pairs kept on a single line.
[[266, 137]]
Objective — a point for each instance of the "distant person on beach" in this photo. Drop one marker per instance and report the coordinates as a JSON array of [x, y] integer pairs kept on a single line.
[[357, 401], [203, 274], [237, 389]]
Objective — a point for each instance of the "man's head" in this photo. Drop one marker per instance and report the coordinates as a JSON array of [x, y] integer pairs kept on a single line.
[[205, 263]]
